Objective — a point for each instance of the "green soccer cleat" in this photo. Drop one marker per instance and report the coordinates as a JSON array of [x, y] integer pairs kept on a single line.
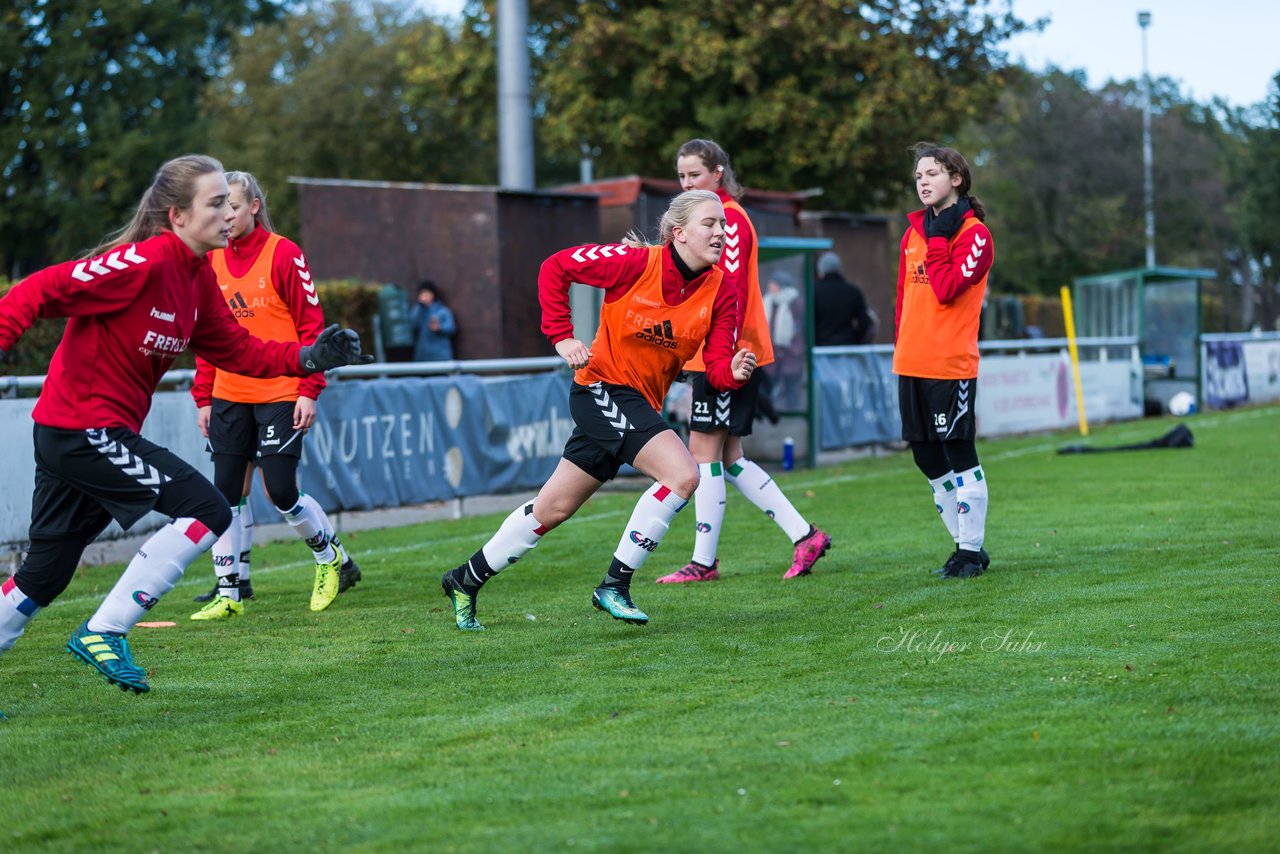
[[108, 654], [246, 592], [616, 602], [464, 603], [222, 608], [327, 580]]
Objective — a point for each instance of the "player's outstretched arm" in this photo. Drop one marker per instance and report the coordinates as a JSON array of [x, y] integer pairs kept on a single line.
[[333, 348]]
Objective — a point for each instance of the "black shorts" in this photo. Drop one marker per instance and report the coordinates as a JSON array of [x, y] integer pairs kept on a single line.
[[937, 410], [85, 478], [713, 409], [613, 422], [252, 430]]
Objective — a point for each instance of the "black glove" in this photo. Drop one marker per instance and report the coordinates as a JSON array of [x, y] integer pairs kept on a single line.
[[332, 348], [947, 223]]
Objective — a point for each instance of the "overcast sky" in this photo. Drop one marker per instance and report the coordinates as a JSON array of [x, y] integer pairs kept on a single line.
[[1225, 48]]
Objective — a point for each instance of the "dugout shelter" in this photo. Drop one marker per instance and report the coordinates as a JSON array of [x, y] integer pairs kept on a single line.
[[1161, 307]]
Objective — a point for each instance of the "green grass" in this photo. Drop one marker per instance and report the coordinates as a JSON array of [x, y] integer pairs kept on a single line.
[[1133, 706]]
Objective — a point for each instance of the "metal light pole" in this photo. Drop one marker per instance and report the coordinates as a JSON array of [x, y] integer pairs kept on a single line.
[[586, 166], [1148, 191], [515, 122]]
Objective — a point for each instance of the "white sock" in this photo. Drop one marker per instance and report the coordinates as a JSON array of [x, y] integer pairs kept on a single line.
[[648, 525], [944, 499], [971, 507], [708, 507], [515, 538], [226, 558], [760, 490], [246, 537], [16, 610], [309, 520], [152, 573]]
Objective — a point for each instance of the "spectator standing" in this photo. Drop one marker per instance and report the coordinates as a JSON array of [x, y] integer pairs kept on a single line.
[[433, 326], [783, 310], [841, 316]]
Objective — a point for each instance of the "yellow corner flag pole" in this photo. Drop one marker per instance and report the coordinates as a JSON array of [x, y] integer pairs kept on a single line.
[[1069, 316]]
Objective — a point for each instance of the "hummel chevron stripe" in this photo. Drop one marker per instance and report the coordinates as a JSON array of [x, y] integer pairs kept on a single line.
[[591, 253]]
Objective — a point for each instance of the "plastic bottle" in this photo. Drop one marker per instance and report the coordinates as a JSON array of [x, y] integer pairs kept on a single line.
[[788, 454]]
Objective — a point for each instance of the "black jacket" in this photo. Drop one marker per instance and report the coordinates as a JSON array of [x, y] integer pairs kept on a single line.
[[839, 313]]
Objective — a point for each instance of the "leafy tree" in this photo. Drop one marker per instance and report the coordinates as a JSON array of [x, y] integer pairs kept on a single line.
[[322, 93], [1257, 182], [95, 96], [453, 87], [802, 93], [1064, 164]]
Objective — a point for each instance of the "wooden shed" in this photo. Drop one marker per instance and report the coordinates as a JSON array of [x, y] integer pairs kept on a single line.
[[481, 245]]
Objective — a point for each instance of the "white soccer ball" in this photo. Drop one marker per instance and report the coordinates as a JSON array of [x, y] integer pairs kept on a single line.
[[1182, 403]]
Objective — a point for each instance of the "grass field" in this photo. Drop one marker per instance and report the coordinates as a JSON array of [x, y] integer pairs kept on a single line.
[[1111, 683]]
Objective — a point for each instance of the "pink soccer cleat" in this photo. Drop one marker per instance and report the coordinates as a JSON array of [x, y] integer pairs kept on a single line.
[[811, 547], [692, 572]]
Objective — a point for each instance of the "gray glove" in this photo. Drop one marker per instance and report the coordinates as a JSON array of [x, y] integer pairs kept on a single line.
[[332, 348]]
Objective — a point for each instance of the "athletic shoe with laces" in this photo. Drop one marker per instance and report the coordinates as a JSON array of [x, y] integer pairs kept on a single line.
[[222, 608], [349, 575], [109, 654], [811, 547], [246, 592], [325, 589], [616, 602], [464, 603], [692, 571], [983, 558], [966, 564]]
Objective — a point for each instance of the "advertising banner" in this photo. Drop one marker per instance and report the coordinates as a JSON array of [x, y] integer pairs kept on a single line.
[[857, 394], [857, 399], [1032, 392], [376, 443], [1226, 382], [390, 442], [1262, 370]]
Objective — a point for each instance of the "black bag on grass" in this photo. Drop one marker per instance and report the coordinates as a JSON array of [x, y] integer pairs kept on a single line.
[[1178, 437]]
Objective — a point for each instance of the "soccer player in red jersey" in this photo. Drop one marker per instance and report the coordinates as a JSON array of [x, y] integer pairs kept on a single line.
[[944, 260], [721, 417], [251, 421], [143, 297], [661, 304]]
